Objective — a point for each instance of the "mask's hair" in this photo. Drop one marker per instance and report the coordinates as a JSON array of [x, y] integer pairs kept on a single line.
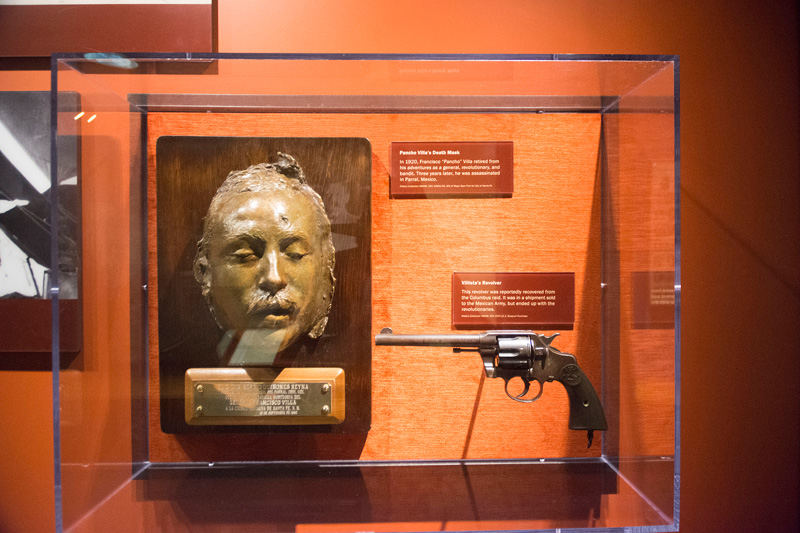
[[286, 175]]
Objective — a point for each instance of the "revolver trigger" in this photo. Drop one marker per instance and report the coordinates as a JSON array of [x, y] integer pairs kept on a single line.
[[526, 389], [520, 397]]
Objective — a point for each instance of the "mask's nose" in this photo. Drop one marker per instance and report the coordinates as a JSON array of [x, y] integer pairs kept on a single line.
[[271, 278]]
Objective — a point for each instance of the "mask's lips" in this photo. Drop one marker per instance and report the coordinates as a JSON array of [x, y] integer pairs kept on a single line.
[[273, 312]]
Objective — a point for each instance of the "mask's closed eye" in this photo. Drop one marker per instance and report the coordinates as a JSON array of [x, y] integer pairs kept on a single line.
[[244, 255], [295, 248], [245, 249]]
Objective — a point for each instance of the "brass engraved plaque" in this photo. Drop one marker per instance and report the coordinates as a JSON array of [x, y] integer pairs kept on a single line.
[[264, 396]]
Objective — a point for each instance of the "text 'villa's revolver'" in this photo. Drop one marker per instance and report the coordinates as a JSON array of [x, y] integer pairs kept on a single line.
[[528, 356]]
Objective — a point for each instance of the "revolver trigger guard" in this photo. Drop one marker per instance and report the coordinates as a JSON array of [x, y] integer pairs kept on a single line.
[[519, 397]]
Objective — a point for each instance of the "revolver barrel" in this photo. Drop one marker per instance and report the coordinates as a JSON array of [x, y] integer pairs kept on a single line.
[[387, 338]]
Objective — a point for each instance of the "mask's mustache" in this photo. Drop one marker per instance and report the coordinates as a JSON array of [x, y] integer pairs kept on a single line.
[[277, 304]]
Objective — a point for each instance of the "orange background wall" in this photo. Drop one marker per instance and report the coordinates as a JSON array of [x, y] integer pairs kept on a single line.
[[740, 221], [416, 246]]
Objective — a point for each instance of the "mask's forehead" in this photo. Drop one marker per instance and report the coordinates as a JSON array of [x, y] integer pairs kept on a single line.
[[270, 215]]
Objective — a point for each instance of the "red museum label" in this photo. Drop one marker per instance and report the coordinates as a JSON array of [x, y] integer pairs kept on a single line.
[[452, 169], [513, 299]]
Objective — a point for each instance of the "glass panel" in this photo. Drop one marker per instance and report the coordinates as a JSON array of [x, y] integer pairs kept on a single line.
[[429, 441]]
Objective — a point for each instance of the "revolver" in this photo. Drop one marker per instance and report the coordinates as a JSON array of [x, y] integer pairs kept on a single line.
[[530, 356]]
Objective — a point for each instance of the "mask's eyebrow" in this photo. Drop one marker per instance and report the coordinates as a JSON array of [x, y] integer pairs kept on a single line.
[[296, 237], [248, 238]]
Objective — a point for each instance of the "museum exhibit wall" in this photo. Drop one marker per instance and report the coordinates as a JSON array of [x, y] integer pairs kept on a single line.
[[740, 225]]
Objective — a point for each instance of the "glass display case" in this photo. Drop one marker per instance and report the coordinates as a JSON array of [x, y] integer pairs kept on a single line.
[[253, 225]]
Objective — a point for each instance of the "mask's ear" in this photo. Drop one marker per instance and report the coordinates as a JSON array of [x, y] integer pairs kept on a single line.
[[201, 271]]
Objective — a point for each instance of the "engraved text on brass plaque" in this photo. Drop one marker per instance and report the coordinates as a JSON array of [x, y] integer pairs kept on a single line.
[[247, 396]]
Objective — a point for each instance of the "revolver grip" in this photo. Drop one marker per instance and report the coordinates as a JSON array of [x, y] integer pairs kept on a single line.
[[585, 410]]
